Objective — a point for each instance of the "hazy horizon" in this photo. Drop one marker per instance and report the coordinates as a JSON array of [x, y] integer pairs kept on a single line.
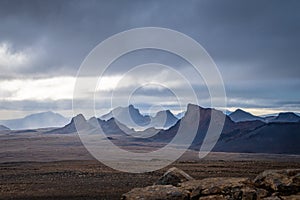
[[70, 114]]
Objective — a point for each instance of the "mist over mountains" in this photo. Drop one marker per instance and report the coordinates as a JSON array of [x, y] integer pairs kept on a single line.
[[38, 120]]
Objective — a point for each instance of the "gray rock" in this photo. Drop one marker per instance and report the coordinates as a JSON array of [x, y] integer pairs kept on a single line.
[[291, 197], [213, 197], [174, 176], [157, 192], [285, 182], [272, 198], [269, 185]]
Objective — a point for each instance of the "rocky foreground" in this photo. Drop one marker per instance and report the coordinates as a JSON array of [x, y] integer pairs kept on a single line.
[[178, 185]]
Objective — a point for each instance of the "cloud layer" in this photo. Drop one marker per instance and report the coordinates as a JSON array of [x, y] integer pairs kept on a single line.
[[255, 45]]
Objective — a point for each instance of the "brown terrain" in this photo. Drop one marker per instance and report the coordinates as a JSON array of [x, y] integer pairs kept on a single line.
[[36, 166], [92, 180]]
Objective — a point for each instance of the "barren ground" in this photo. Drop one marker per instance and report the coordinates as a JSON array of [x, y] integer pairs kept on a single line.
[[34, 166]]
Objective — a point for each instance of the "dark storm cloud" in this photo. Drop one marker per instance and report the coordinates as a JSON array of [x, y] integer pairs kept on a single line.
[[256, 34], [255, 44]]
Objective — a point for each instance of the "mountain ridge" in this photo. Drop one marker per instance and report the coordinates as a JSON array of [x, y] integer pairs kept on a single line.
[[240, 115], [36, 120]]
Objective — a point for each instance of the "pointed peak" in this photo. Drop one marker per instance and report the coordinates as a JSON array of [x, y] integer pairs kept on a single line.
[[169, 112], [131, 107], [240, 110], [79, 117]]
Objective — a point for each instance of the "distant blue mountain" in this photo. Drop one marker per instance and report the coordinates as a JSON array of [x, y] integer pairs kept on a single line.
[[131, 117], [240, 116], [37, 120]]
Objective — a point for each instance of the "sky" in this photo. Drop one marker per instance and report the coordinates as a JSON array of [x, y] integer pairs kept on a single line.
[[255, 45]]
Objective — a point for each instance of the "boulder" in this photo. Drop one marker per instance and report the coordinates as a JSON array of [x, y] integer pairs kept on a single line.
[[157, 192], [173, 176], [272, 198], [176, 184], [213, 197], [291, 197], [213, 186], [285, 182]]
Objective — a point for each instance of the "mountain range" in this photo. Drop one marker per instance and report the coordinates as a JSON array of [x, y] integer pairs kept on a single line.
[[34, 121], [253, 136], [241, 115], [241, 132], [132, 118]]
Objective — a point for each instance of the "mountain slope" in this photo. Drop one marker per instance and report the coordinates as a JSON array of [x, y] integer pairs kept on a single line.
[[71, 127], [283, 138], [4, 128], [92, 125], [286, 117], [180, 115], [241, 115], [38, 120], [230, 127]]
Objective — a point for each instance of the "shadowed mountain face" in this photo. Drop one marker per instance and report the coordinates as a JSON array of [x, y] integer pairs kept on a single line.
[[230, 127], [286, 117], [282, 138], [241, 115], [79, 123], [38, 120]]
